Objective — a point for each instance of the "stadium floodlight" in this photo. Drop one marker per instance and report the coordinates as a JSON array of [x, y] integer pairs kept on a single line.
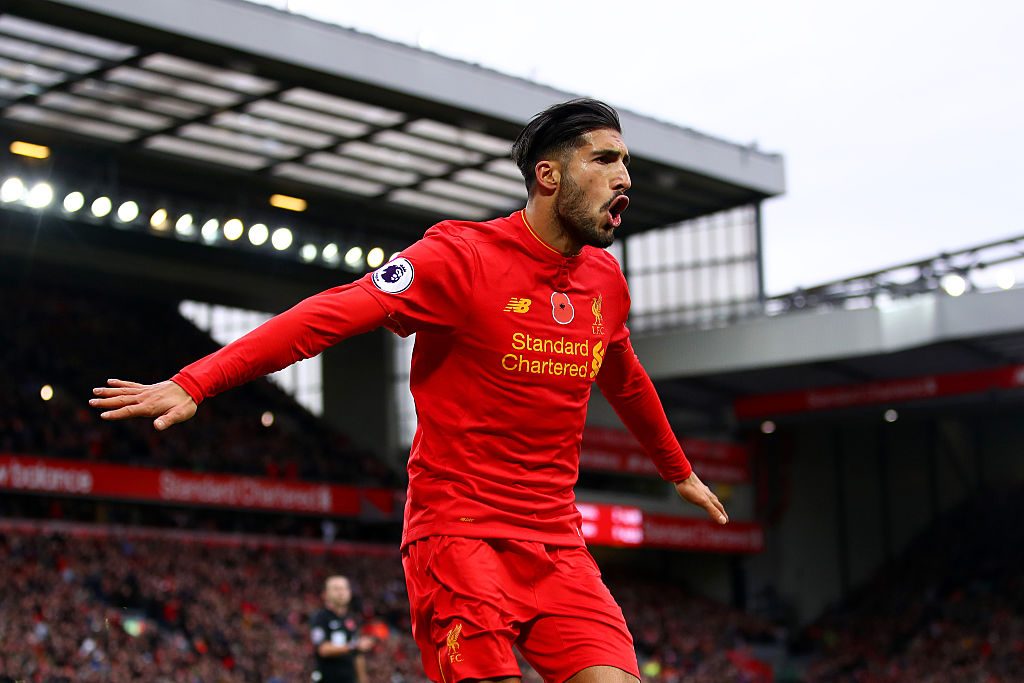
[[128, 212], [74, 202], [393, 256], [1005, 279], [40, 196], [353, 256], [375, 257], [12, 190], [184, 225], [258, 234], [233, 229], [27, 149], [267, 418], [46, 392], [283, 201], [101, 207], [281, 239], [210, 230], [330, 253], [767, 427], [891, 415], [158, 221], [953, 284], [308, 252]]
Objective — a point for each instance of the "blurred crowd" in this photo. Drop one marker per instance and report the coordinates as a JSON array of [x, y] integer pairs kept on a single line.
[[83, 603], [949, 609], [683, 638], [73, 341], [79, 607]]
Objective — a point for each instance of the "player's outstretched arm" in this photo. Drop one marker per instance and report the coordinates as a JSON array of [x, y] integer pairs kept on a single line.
[[166, 401], [303, 331], [693, 490]]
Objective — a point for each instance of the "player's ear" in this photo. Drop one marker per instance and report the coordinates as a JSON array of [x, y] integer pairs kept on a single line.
[[548, 173]]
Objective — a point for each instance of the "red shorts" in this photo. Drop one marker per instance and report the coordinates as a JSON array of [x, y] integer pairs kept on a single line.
[[473, 599]]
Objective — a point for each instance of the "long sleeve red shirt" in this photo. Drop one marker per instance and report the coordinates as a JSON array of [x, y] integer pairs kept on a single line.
[[510, 337]]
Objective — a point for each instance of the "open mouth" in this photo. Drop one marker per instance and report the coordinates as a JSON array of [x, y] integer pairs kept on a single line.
[[616, 208]]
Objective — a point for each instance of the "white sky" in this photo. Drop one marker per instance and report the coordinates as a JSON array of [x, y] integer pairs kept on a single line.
[[901, 122]]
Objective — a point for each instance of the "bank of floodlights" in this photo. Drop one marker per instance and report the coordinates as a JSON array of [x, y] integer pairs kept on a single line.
[[128, 213]]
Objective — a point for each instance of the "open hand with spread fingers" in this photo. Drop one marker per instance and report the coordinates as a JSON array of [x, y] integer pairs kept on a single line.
[[692, 489], [166, 401]]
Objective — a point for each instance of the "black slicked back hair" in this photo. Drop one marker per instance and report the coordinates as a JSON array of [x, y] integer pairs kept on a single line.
[[557, 130]]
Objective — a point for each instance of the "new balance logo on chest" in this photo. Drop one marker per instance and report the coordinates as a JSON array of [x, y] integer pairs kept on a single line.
[[518, 305]]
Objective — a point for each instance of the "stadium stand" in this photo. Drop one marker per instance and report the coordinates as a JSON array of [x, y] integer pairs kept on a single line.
[[64, 338], [948, 610], [106, 602], [172, 601], [114, 603], [87, 603]]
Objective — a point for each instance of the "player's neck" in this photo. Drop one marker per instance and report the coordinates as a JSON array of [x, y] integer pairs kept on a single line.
[[540, 214]]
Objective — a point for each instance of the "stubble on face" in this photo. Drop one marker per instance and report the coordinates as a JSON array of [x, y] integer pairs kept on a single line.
[[576, 218]]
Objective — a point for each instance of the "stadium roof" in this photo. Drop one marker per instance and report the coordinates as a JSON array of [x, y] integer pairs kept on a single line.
[[232, 94]]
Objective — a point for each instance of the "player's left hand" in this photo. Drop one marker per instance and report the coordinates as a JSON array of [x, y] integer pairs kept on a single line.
[[692, 489]]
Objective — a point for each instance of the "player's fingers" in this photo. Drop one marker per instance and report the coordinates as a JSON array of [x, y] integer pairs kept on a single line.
[[716, 509], [713, 506], [118, 391], [126, 412], [123, 383], [114, 401], [172, 417]]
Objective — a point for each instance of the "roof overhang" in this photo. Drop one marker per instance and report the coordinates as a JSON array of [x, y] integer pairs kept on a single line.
[[230, 94], [926, 335]]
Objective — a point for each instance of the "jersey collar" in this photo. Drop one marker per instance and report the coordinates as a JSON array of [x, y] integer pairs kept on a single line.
[[541, 249]]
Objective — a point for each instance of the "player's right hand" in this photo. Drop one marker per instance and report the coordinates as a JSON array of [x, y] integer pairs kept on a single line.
[[166, 401]]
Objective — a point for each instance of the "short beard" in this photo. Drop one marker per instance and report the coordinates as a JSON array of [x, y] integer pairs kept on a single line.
[[571, 210]]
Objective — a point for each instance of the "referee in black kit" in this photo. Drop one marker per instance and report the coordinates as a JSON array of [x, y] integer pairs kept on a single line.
[[338, 647]]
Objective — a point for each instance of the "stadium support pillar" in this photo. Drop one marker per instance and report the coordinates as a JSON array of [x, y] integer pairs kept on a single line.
[[842, 533], [759, 237], [885, 514], [738, 576], [356, 383], [932, 445], [978, 444]]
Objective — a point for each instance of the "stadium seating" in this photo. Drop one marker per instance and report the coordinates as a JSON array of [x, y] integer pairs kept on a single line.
[[81, 604], [88, 602], [949, 609], [102, 603], [73, 341]]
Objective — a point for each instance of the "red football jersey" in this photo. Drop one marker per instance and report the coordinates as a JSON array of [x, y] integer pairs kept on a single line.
[[510, 337]]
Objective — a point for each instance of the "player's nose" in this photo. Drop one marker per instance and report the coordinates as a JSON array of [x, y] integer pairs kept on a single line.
[[622, 182]]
